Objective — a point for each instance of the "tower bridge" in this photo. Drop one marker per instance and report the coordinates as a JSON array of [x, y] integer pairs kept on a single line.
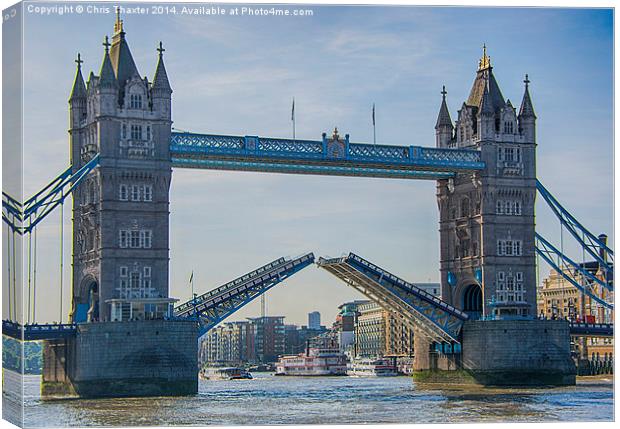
[[123, 152]]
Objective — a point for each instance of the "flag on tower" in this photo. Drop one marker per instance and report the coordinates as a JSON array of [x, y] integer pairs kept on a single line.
[[293, 117], [373, 114], [191, 278], [293, 111], [374, 127]]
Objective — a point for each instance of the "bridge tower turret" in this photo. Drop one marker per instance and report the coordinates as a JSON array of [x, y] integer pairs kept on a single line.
[[77, 106], [527, 117], [120, 212], [488, 264], [444, 128]]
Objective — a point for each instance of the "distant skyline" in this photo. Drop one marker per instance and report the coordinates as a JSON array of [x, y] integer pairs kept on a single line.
[[238, 75]]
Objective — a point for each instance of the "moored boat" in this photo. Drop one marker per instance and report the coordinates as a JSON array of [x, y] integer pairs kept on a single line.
[[371, 368], [314, 362], [224, 373]]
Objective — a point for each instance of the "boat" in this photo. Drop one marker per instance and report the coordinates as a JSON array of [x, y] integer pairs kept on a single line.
[[314, 362], [224, 373], [371, 368]]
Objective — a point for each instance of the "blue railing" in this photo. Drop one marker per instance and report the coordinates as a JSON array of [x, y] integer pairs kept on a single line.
[[591, 329], [333, 156], [36, 332]]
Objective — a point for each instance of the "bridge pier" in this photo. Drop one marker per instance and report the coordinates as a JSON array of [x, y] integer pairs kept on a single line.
[[113, 359], [501, 353]]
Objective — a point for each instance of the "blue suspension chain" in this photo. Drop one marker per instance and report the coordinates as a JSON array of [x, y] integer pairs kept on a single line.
[[34, 289], [8, 259], [29, 278], [62, 206], [14, 280]]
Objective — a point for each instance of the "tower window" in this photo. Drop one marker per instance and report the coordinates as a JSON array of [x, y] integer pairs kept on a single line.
[[148, 193], [136, 132], [508, 207], [508, 127], [135, 101], [148, 132], [122, 192], [135, 239], [465, 207], [509, 248], [135, 193], [134, 282], [123, 271], [145, 239], [122, 239], [124, 131]]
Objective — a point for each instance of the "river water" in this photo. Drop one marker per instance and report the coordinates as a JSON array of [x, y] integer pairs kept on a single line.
[[269, 400]]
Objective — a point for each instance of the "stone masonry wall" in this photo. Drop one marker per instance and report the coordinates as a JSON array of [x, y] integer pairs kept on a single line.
[[139, 358], [518, 352]]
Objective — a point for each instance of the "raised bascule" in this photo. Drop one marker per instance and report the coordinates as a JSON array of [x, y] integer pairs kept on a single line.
[[127, 336]]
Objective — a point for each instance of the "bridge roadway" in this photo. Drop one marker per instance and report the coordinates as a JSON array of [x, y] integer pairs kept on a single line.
[[428, 314]]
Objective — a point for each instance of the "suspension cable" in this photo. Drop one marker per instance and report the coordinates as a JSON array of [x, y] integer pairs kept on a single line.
[[29, 278], [62, 255], [538, 285], [34, 275], [562, 266], [8, 261], [14, 280]]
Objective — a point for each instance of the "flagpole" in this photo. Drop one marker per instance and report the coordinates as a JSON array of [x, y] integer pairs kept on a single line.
[[293, 118], [191, 282], [374, 126]]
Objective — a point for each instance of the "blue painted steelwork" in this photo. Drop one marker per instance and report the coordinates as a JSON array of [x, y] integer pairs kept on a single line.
[[216, 305], [37, 332], [600, 330], [336, 157], [436, 319], [590, 242], [548, 252], [22, 218]]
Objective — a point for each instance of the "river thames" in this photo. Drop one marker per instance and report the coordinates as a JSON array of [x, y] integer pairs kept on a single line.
[[269, 400]]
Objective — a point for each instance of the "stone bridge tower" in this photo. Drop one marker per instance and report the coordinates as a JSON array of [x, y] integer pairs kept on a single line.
[[486, 219], [120, 212]]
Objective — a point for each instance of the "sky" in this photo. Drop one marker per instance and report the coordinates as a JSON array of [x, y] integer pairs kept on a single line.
[[238, 74]]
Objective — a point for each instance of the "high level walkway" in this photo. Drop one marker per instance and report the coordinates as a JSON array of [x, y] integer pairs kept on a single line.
[[431, 316], [333, 156]]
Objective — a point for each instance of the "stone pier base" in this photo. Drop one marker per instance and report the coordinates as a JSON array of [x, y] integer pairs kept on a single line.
[[502, 353], [114, 359]]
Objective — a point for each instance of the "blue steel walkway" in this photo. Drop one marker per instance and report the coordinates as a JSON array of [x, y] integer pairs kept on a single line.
[[330, 157]]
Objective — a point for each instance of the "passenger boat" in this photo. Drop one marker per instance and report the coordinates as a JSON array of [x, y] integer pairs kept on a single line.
[[371, 368], [314, 362], [224, 373]]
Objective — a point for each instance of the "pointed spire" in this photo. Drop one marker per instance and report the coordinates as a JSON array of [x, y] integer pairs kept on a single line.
[[79, 89], [160, 80], [118, 25], [443, 119], [527, 109], [122, 61], [485, 78], [106, 74], [485, 61]]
